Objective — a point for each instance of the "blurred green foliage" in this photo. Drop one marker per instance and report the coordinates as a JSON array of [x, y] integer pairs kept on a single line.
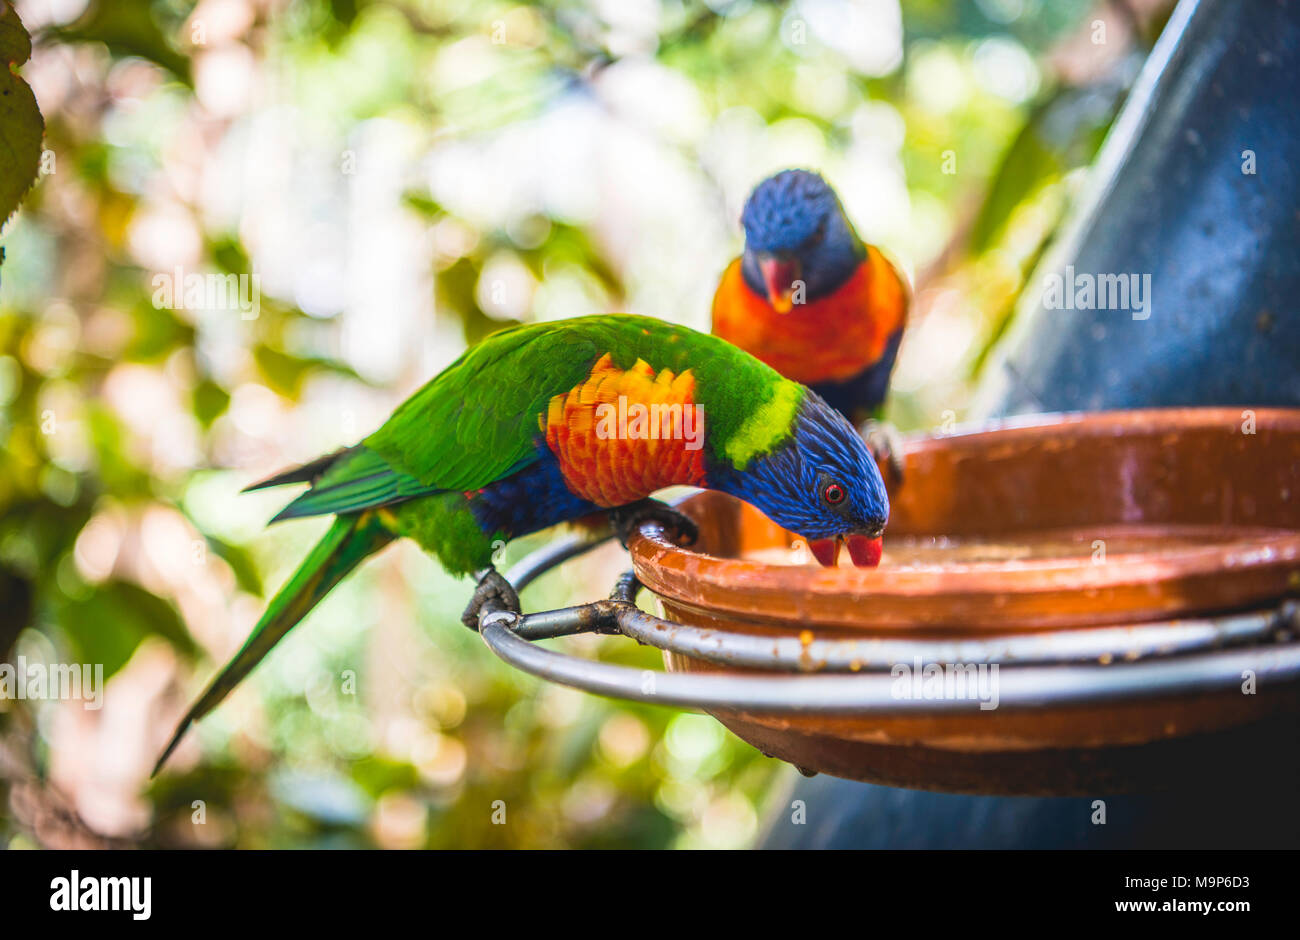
[[20, 120], [128, 426]]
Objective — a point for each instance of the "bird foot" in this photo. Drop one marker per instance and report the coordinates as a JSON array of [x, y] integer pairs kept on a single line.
[[625, 520], [886, 445], [493, 593]]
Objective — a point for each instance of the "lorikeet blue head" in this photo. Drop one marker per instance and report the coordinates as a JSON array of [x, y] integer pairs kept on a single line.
[[796, 230], [820, 482]]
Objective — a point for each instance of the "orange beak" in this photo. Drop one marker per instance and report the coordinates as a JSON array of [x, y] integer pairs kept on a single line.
[[779, 277], [865, 552]]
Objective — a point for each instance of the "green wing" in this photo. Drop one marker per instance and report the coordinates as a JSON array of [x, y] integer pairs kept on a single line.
[[477, 421], [473, 424], [354, 480]]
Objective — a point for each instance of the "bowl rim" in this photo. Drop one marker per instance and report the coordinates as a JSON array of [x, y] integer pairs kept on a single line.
[[734, 584]]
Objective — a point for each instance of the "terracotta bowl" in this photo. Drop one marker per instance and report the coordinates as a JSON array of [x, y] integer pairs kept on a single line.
[[1067, 523]]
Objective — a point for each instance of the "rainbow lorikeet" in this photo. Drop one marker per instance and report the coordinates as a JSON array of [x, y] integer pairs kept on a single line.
[[811, 299], [553, 422]]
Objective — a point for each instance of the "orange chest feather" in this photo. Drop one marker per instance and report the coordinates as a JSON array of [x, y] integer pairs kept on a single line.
[[622, 434], [825, 340]]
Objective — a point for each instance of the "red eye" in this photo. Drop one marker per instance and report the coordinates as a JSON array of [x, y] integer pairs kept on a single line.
[[833, 494]]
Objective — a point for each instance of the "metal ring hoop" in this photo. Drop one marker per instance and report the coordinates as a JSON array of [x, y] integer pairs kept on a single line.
[[851, 676]]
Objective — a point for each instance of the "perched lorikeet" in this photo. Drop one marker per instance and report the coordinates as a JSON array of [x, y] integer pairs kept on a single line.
[[810, 299], [553, 422]]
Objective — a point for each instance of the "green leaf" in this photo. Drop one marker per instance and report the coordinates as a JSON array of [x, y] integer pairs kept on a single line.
[[210, 402], [109, 622], [118, 472], [15, 44], [127, 28], [158, 333], [285, 373], [240, 562], [1062, 132], [377, 775], [423, 204], [21, 125]]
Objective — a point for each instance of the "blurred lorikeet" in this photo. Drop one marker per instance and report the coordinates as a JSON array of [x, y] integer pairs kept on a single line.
[[810, 299], [553, 422]]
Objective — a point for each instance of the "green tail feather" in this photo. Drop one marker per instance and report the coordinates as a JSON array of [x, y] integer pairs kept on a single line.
[[349, 541]]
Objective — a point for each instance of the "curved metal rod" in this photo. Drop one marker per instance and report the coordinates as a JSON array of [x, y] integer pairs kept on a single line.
[[535, 564], [1127, 643], [790, 654], [554, 553], [880, 693]]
